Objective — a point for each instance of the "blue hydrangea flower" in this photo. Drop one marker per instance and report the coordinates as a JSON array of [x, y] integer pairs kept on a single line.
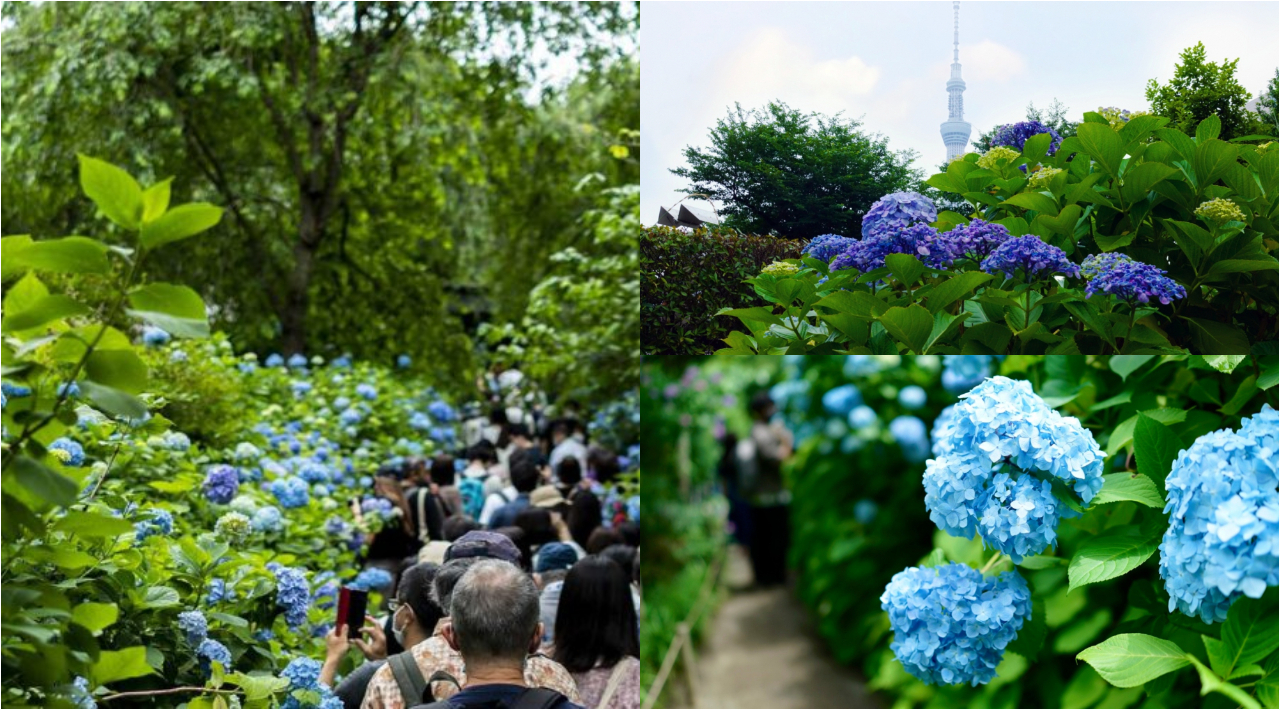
[[403, 361], [70, 390], [175, 441], [156, 522], [291, 492], [1224, 515], [974, 241], [292, 594], [441, 411], [826, 247], [326, 595], [896, 211], [1034, 257], [314, 472], [372, 578], [367, 391], [178, 356], [1002, 424], [194, 625], [419, 421], [219, 591], [865, 511], [1019, 515], [336, 526], [9, 389], [869, 254], [221, 483], [68, 451], [342, 361], [1102, 262], [274, 360], [860, 365], [154, 337], [951, 624], [81, 695], [862, 416], [962, 373], [912, 397], [300, 388], [841, 400], [1133, 282], [303, 674], [267, 520], [297, 360], [1015, 135], [210, 651], [911, 435]]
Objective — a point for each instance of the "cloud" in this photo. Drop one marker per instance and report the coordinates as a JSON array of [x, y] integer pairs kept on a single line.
[[988, 62], [768, 65]]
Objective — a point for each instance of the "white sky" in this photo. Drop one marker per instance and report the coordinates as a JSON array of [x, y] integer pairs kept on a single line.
[[888, 62]]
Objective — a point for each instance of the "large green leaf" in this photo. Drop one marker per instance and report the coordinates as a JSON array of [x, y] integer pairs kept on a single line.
[[905, 268], [44, 482], [113, 401], [47, 309], [1126, 486], [1238, 266], [119, 369], [95, 616], [88, 524], [1124, 365], [1036, 147], [1215, 338], [1268, 686], [1208, 129], [854, 303], [1213, 159], [1129, 660], [948, 183], [155, 200], [176, 309], [1111, 554], [1140, 179], [760, 314], [910, 326], [68, 255], [180, 222], [1250, 633], [126, 663], [954, 288], [1033, 201], [115, 192], [945, 327], [1103, 145], [1064, 223], [1155, 448]]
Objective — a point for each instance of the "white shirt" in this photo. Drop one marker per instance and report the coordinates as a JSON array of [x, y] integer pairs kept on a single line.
[[569, 447], [495, 501]]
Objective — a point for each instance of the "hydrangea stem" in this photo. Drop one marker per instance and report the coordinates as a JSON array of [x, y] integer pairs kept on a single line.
[[991, 562]]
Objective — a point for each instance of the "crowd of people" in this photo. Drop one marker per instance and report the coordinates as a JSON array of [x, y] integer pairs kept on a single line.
[[512, 574]]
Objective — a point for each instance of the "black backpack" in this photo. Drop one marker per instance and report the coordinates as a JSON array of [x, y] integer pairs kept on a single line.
[[412, 685]]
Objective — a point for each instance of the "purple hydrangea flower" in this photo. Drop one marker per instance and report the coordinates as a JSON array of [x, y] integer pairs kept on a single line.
[[869, 253], [1033, 256], [221, 483], [826, 247], [896, 211], [1134, 281], [1096, 264], [974, 241], [1015, 135]]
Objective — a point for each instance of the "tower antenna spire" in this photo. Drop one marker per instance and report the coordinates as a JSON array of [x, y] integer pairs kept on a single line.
[[955, 131], [955, 54]]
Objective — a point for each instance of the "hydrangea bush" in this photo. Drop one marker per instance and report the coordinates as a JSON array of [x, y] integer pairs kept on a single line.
[[140, 558], [1127, 238], [1079, 517]]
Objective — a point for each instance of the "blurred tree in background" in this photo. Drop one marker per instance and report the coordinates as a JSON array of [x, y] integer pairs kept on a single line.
[[1200, 88], [394, 173]]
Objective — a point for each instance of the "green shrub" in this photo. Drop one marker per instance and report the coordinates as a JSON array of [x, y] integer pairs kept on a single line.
[[687, 276]]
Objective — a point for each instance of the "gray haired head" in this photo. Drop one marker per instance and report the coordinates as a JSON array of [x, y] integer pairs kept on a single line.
[[495, 613], [447, 578]]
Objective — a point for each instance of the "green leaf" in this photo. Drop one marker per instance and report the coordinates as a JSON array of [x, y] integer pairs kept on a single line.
[[44, 482], [1214, 158], [1109, 555], [176, 309], [955, 288], [1139, 179], [760, 314], [120, 369], [159, 597], [1250, 632], [1209, 128], [1033, 201], [1217, 338], [741, 342], [95, 616], [945, 327], [68, 255], [1210, 683], [180, 222], [905, 268], [115, 192], [1103, 145], [1035, 147], [155, 200], [1064, 223], [113, 401], [1112, 242], [1266, 688], [1129, 660], [1042, 562], [910, 326], [1244, 393], [1126, 486], [126, 663], [1240, 266], [948, 183], [995, 336], [1155, 448], [1124, 365], [258, 687], [1179, 141], [87, 524], [1030, 638], [854, 303], [46, 309], [1224, 363]]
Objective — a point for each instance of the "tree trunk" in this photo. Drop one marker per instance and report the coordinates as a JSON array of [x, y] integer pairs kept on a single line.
[[293, 318]]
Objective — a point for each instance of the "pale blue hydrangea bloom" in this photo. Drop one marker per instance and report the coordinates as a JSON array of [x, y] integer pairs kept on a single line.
[[367, 391], [860, 365], [68, 451], [1020, 514], [912, 397], [951, 624], [194, 625], [291, 492], [841, 400], [912, 436], [865, 511], [962, 373], [209, 651], [862, 416], [1222, 540], [267, 519]]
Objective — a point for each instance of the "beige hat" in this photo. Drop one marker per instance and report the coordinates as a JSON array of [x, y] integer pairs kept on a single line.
[[545, 497]]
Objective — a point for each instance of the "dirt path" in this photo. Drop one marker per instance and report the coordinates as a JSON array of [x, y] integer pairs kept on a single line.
[[763, 653]]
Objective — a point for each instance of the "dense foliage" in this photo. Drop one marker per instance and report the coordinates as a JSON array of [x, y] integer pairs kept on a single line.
[[412, 162], [176, 518], [784, 172], [687, 276], [1201, 88], [1129, 237], [1101, 629]]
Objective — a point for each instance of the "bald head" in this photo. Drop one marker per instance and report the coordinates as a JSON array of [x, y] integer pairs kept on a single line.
[[495, 612]]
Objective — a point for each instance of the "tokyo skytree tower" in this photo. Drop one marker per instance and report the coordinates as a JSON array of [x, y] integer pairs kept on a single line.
[[955, 131]]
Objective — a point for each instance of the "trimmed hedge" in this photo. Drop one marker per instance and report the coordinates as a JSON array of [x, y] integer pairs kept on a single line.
[[687, 276]]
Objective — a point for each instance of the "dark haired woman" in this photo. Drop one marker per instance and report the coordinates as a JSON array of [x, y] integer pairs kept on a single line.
[[597, 635]]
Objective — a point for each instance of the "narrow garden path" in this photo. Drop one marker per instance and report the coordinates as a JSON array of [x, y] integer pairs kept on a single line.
[[762, 652]]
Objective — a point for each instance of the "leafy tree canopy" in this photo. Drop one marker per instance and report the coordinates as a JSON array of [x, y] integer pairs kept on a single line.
[[782, 171], [1267, 101], [1200, 88]]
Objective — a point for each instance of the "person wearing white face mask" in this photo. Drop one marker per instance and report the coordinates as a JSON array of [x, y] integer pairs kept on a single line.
[[414, 616]]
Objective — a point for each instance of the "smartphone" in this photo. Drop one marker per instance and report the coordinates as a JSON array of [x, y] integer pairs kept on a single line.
[[352, 605]]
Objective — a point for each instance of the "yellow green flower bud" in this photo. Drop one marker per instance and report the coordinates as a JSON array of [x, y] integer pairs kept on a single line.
[[1220, 210], [1040, 179], [991, 158], [780, 268]]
